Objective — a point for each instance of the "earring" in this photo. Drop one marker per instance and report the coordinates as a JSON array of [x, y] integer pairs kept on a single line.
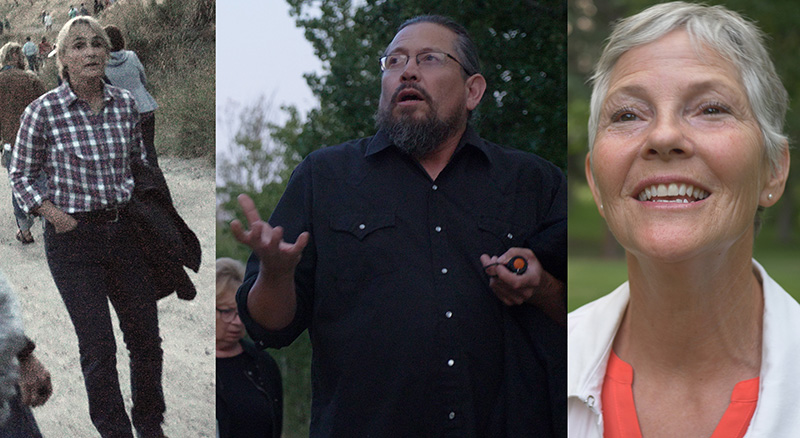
[[601, 206], [769, 196]]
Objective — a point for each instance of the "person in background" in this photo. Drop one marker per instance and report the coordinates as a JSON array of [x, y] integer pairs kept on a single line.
[[124, 70], [24, 381], [31, 52], [18, 88], [44, 49], [84, 136], [72, 12], [249, 389]]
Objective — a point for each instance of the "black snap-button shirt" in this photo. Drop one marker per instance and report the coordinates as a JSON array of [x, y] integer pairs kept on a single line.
[[407, 336]]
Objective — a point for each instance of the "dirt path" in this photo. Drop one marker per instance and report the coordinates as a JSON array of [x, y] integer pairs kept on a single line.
[[186, 326]]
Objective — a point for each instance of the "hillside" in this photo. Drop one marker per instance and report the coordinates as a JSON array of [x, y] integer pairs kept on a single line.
[[175, 41]]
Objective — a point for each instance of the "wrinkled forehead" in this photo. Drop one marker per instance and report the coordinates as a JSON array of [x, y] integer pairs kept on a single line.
[[703, 50], [82, 31], [422, 36]]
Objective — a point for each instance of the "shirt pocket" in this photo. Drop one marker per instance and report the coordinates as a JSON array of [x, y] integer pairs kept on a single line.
[[497, 236], [68, 145], [361, 260], [363, 244]]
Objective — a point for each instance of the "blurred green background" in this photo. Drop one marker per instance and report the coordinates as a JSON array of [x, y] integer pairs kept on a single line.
[[596, 261]]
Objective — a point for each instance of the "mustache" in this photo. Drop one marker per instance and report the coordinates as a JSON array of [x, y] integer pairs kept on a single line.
[[416, 87]]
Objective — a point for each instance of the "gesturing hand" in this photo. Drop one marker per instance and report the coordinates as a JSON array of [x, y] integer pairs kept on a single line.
[[278, 258]]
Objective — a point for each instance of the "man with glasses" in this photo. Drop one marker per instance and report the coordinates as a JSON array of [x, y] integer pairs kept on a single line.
[[399, 263]]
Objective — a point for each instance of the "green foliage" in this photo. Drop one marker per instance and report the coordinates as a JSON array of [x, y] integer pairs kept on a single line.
[[258, 165], [175, 41], [295, 365], [522, 48], [590, 279]]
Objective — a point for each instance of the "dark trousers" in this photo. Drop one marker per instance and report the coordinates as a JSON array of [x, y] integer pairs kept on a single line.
[[149, 137], [32, 64], [20, 423], [95, 263]]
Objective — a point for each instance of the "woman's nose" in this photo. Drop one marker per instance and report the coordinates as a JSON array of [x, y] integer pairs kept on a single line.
[[667, 139]]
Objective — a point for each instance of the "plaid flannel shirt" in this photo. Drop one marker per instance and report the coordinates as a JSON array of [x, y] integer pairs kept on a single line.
[[84, 156]]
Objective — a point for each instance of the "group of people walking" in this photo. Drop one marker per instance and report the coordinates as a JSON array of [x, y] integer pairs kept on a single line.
[[36, 55]]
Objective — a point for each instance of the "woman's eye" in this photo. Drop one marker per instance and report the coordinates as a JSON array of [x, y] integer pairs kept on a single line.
[[624, 115], [713, 109]]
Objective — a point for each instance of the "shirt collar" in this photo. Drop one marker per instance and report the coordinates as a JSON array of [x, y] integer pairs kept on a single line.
[[380, 141], [69, 97]]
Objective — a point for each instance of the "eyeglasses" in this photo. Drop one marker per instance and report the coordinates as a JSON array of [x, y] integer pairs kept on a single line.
[[228, 315], [398, 61]]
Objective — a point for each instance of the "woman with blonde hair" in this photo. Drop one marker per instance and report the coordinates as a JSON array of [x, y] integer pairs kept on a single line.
[[249, 388], [83, 136]]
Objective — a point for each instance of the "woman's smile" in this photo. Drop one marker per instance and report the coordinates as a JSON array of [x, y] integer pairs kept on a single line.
[[673, 192]]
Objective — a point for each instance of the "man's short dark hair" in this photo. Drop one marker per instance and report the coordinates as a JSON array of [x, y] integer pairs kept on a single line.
[[466, 50], [115, 35]]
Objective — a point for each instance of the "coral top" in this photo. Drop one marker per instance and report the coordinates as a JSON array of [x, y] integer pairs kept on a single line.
[[619, 411]]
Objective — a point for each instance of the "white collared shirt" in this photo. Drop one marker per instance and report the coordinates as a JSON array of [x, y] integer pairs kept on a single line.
[[591, 332]]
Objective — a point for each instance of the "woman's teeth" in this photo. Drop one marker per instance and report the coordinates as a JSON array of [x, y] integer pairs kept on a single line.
[[673, 192]]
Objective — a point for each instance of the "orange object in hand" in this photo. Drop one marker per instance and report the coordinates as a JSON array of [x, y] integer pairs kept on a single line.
[[517, 265]]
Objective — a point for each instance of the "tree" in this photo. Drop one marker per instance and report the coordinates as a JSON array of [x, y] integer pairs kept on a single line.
[[523, 52], [256, 165]]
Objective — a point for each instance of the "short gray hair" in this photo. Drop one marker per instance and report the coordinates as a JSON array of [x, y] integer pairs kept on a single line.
[[719, 29]]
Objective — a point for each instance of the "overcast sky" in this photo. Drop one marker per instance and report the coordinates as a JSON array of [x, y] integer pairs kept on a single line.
[[260, 51]]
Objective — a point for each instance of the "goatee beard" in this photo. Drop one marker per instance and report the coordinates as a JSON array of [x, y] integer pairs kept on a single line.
[[417, 137]]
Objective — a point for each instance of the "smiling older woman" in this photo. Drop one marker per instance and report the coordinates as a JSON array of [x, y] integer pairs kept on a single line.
[[83, 136], [686, 146]]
